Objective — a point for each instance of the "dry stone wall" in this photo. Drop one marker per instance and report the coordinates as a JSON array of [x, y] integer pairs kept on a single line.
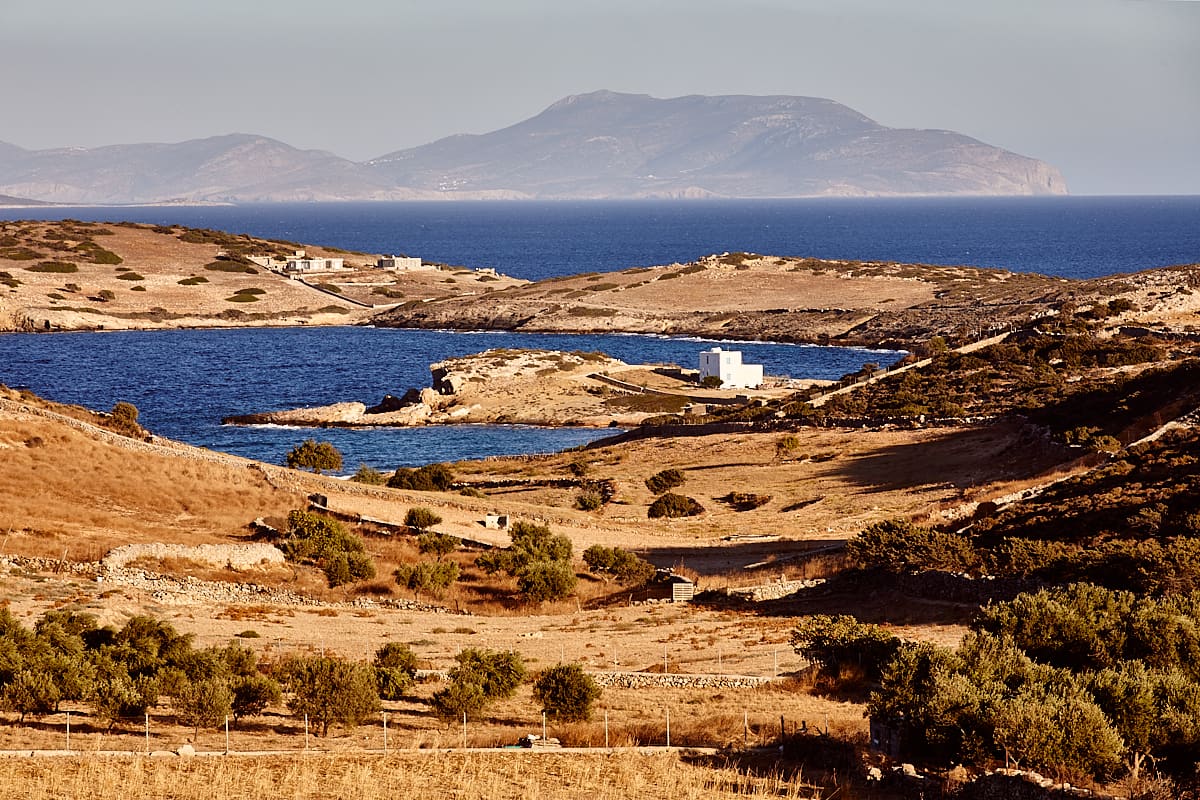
[[642, 680], [233, 556]]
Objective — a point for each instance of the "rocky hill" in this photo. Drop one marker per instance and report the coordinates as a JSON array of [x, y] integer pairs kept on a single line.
[[607, 144], [598, 145], [749, 296]]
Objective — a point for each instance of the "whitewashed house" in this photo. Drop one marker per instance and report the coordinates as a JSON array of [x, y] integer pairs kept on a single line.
[[727, 365], [401, 263], [301, 262]]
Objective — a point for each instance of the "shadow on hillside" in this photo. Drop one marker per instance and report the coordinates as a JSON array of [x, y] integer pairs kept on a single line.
[[875, 601], [957, 458], [801, 757], [709, 560]]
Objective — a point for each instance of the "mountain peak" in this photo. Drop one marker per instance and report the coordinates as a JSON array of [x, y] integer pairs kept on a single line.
[[600, 144]]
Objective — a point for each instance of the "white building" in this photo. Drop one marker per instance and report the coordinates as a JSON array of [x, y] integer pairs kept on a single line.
[[727, 365], [301, 262], [401, 263]]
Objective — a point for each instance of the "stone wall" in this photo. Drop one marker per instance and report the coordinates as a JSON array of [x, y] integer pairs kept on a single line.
[[233, 556], [772, 591], [642, 680]]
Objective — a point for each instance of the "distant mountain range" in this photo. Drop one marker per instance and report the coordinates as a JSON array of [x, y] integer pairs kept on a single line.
[[598, 145]]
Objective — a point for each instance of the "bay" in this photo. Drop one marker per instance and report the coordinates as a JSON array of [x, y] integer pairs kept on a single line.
[[185, 381]]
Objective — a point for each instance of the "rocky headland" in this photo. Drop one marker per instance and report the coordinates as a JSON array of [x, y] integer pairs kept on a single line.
[[525, 387]]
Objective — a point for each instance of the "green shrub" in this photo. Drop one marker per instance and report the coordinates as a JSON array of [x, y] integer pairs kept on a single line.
[[231, 266], [426, 577], [395, 669], [665, 481], [252, 694], [566, 692], [899, 546], [438, 544], [674, 505], [330, 690], [324, 542], [130, 276], [540, 560], [241, 298], [430, 478], [421, 519], [745, 501], [124, 420], [138, 288], [194, 280], [369, 475], [61, 267], [314, 455], [619, 563], [589, 501]]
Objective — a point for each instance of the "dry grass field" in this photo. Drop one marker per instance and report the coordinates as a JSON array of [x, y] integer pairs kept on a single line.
[[427, 776]]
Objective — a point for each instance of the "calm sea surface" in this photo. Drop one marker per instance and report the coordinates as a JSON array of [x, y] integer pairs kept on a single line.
[[185, 381], [1072, 237]]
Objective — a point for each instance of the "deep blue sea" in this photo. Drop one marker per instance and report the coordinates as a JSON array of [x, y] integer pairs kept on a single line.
[[185, 381], [1071, 237]]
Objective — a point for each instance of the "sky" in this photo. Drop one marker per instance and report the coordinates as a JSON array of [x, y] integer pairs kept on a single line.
[[1106, 90]]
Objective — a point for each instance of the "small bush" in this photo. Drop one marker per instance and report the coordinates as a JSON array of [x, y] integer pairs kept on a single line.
[[395, 669], [421, 518], [314, 455], [589, 501], [439, 545], [369, 475], [241, 298], [674, 505], [231, 266], [61, 267], [745, 501], [130, 276], [138, 288], [430, 478], [194, 280], [665, 481]]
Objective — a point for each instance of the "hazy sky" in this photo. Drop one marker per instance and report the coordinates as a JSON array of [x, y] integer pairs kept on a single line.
[[1107, 90]]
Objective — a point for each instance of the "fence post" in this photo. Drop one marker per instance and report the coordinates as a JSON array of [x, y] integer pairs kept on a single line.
[[385, 733], [668, 728], [147, 733], [745, 728], [306, 733], [68, 731], [226, 734], [464, 730]]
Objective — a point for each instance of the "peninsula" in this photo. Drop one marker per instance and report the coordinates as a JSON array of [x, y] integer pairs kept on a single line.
[[70, 275], [530, 387]]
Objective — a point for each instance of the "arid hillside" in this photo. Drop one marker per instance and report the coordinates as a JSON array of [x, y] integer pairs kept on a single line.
[[748, 296], [74, 275]]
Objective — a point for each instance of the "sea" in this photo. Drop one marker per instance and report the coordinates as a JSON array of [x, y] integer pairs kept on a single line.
[[185, 381]]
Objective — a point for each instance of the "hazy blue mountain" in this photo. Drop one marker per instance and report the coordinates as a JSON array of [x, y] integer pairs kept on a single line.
[[234, 167], [606, 144], [598, 145]]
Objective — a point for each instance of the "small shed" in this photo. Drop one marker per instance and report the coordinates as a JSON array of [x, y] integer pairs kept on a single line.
[[496, 521]]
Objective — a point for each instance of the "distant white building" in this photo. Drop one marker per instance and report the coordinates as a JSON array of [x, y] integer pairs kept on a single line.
[[300, 262], [401, 263], [727, 365]]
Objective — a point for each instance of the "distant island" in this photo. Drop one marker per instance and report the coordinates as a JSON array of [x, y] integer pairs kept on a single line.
[[602, 145]]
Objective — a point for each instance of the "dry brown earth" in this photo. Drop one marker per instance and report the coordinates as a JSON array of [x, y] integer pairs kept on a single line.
[[163, 281]]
